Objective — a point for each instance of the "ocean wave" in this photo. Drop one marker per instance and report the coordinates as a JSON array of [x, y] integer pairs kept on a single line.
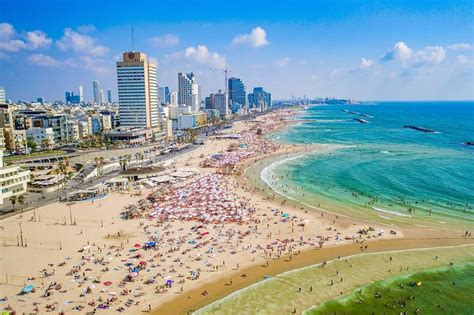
[[391, 212]]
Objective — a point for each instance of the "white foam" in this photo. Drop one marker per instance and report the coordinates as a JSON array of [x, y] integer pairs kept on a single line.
[[391, 212]]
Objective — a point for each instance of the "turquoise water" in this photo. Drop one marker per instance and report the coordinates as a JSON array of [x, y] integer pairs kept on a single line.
[[387, 168], [453, 288]]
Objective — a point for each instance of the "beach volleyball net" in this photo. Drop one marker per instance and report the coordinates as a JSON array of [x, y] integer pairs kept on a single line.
[[88, 222], [54, 220], [9, 241], [40, 244]]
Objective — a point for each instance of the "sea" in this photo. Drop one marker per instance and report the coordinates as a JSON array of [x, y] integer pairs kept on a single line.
[[383, 168]]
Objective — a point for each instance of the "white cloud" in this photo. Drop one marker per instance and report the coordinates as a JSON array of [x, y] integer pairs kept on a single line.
[[87, 28], [38, 39], [202, 55], [6, 31], [42, 60], [95, 65], [256, 38], [80, 43], [409, 57], [167, 40], [460, 46], [283, 62], [400, 51], [365, 63], [431, 54], [12, 45], [11, 41], [464, 60]]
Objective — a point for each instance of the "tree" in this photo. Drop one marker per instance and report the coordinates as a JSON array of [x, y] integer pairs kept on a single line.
[[31, 144], [21, 201], [13, 200], [45, 143]]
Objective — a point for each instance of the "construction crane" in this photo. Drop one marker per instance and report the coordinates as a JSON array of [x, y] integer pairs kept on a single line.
[[226, 72]]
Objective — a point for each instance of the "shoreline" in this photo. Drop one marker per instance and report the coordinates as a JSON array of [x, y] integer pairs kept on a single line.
[[277, 231], [182, 305], [220, 288]]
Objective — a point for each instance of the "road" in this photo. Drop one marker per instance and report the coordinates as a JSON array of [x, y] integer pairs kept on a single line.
[[35, 200]]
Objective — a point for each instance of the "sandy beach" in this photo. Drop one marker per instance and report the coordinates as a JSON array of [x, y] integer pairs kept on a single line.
[[189, 243]]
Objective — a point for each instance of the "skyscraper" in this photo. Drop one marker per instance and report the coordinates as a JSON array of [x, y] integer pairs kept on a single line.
[[81, 94], [101, 96], [220, 103], [260, 99], [137, 91], [237, 92], [2, 95], [189, 91], [174, 98], [164, 95], [109, 96], [96, 91]]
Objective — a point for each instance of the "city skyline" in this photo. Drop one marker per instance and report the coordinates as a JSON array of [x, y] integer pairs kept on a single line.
[[365, 51]]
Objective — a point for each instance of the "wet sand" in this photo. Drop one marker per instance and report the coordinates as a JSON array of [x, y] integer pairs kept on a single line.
[[219, 288]]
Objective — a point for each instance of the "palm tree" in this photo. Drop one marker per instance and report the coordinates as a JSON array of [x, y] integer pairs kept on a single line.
[[21, 201], [46, 143], [13, 200]]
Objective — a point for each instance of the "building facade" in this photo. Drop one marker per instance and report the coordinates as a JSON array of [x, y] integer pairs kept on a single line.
[[164, 95], [237, 94], [189, 92], [3, 96], [174, 98], [40, 136], [96, 91], [220, 103], [13, 179], [259, 99], [137, 91]]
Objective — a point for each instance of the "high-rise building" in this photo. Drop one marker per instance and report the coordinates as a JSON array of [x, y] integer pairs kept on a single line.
[[71, 98], [40, 100], [260, 99], [237, 92], [109, 96], [68, 96], [220, 103], [137, 91], [174, 98], [102, 96], [209, 102], [81, 94], [189, 92], [164, 95], [2, 95], [96, 91]]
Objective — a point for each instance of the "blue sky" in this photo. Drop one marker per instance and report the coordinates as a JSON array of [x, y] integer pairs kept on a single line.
[[370, 50]]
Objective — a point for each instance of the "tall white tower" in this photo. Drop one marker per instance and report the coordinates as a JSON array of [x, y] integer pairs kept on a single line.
[[137, 91]]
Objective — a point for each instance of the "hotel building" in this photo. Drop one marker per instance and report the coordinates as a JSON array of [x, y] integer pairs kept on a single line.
[[137, 91], [13, 180]]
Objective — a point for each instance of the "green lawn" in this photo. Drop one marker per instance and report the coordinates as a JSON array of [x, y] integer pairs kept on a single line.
[[35, 154]]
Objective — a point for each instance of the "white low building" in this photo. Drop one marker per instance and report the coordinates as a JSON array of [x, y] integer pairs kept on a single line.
[[13, 180], [38, 135]]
